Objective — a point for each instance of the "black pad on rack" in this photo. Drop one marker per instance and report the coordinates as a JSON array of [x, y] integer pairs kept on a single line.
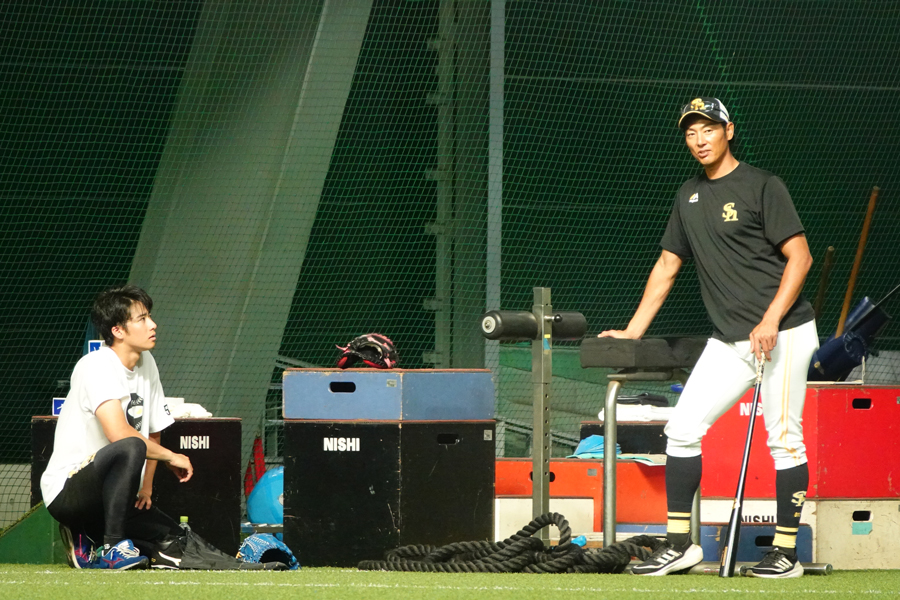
[[649, 353]]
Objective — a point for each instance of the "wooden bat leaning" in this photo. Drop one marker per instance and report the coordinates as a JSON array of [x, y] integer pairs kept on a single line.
[[857, 261], [729, 554]]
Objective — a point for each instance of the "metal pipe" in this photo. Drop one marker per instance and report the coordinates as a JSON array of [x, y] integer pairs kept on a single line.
[[712, 568], [609, 463]]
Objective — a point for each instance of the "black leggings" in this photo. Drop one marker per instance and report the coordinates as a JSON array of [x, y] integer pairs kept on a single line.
[[99, 500]]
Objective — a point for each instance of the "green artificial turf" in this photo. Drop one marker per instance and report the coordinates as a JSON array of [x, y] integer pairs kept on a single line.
[[59, 582]]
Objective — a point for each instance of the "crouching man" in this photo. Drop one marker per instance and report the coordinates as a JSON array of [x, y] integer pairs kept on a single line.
[[99, 481]]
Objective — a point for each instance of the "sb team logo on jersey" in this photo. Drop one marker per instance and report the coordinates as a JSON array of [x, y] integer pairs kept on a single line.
[[730, 214], [694, 198]]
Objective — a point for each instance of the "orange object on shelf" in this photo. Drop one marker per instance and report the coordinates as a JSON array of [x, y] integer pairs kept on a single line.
[[640, 493]]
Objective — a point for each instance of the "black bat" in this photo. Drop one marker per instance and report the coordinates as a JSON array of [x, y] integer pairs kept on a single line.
[[729, 555]]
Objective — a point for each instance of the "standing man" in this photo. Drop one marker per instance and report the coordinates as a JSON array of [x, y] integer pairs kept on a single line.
[[99, 480], [740, 226]]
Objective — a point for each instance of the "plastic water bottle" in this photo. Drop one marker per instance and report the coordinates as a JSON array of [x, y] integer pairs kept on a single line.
[[184, 523]]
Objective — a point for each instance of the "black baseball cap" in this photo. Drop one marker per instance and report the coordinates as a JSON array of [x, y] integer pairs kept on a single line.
[[711, 108]]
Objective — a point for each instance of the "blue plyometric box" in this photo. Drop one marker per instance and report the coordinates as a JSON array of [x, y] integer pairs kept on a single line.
[[388, 395], [755, 541]]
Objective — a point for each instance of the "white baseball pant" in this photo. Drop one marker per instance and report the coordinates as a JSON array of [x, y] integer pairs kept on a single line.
[[725, 372]]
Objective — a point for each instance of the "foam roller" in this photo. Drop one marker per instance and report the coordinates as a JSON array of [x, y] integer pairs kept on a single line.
[[512, 325], [509, 325]]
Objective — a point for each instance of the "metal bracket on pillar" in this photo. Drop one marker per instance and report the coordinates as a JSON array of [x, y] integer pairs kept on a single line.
[[434, 357], [438, 99], [434, 304], [437, 175], [437, 229]]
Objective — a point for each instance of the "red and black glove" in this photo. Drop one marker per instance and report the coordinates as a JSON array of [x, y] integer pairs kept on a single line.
[[373, 349]]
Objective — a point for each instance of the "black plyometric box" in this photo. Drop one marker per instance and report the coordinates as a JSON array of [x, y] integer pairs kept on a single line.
[[211, 499], [633, 437], [353, 490], [42, 432]]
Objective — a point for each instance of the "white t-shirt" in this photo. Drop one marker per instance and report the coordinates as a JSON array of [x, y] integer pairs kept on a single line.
[[98, 377]]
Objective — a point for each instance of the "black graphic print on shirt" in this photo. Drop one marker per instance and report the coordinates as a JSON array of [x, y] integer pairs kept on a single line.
[[135, 411]]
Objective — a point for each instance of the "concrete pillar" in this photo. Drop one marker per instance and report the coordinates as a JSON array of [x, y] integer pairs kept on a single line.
[[237, 191]]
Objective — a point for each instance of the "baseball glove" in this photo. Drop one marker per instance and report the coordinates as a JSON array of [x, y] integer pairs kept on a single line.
[[373, 349], [265, 547]]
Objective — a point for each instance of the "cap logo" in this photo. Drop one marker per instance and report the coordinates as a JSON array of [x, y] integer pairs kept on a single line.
[[698, 104]]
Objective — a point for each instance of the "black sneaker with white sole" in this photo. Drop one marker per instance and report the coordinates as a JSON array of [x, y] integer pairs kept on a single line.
[[777, 564], [667, 559]]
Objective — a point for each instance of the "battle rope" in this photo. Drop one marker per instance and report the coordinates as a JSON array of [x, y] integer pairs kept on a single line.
[[521, 553]]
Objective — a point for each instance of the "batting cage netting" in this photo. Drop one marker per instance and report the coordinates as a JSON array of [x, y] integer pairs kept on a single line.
[[283, 176]]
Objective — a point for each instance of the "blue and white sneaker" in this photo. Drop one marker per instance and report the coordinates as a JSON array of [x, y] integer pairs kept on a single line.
[[79, 550], [122, 556]]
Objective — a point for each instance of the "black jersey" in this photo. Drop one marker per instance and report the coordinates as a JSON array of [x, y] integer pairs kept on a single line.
[[732, 227]]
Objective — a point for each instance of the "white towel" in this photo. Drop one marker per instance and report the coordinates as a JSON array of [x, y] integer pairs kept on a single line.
[[187, 410], [640, 412]]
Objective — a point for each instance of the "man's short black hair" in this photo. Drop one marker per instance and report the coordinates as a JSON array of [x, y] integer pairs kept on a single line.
[[112, 307]]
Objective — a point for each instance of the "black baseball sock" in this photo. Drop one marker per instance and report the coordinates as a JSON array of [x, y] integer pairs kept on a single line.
[[790, 490], [682, 480]]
